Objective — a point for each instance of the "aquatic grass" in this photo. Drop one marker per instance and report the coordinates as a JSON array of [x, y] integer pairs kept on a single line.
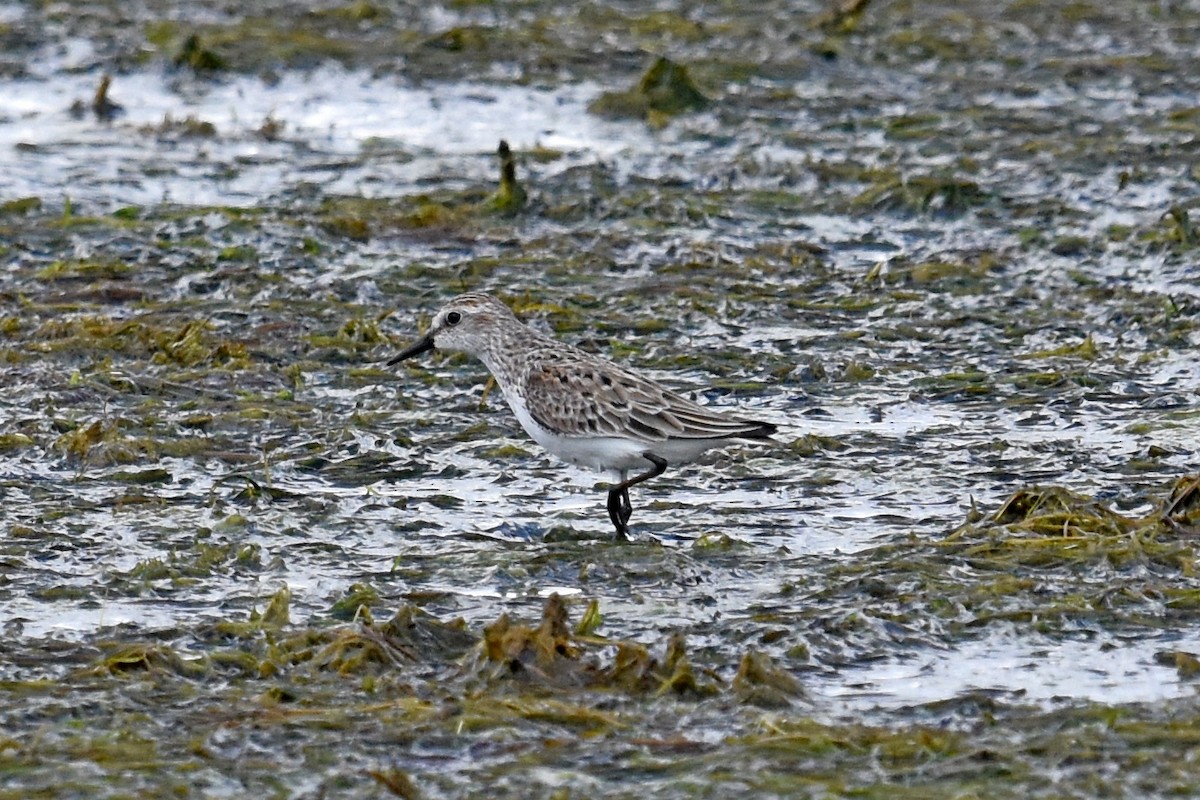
[[100, 443], [465, 212], [345, 682], [1048, 559], [157, 659], [189, 344], [938, 194], [21, 205], [60, 271], [664, 91]]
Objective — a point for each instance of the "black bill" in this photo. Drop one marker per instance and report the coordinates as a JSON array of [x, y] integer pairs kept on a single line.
[[422, 346]]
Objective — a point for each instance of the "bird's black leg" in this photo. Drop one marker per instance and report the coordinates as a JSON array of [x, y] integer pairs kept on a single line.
[[619, 507], [616, 513]]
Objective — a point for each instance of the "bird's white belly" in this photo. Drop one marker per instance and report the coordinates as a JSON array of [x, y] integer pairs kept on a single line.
[[609, 452], [596, 452]]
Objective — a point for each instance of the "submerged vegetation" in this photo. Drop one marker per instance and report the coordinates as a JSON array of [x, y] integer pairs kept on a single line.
[[664, 91], [948, 247], [568, 697]]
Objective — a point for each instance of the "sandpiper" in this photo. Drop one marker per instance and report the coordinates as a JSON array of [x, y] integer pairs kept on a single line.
[[584, 409]]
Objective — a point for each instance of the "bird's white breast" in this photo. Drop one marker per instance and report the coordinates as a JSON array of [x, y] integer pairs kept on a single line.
[[596, 452], [607, 452]]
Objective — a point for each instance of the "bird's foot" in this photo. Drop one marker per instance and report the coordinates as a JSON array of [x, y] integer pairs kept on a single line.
[[619, 511]]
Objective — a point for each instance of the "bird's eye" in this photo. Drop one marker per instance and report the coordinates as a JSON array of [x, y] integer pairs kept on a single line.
[[453, 318]]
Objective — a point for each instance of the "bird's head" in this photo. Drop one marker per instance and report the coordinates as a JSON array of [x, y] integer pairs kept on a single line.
[[469, 323]]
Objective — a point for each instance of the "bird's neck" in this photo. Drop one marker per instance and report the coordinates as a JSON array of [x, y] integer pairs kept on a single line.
[[500, 353]]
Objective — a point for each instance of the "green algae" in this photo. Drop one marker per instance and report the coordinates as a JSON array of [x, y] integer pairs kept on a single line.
[[463, 212], [843, 17], [505, 451], [186, 567], [188, 344], [415, 677], [664, 90], [358, 600], [21, 205], [1051, 526], [1085, 350], [15, 441], [940, 194], [191, 52], [85, 270], [360, 218]]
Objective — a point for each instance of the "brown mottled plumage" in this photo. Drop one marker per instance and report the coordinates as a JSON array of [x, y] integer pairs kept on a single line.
[[582, 408]]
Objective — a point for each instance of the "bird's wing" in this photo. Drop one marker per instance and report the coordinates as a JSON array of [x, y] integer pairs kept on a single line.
[[581, 397]]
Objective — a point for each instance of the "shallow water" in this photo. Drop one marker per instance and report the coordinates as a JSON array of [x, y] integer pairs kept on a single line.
[[343, 131], [1047, 672], [943, 262]]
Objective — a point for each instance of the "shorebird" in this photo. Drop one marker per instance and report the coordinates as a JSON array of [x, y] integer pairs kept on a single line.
[[584, 409]]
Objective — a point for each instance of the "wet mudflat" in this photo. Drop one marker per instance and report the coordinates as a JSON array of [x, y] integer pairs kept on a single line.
[[950, 249]]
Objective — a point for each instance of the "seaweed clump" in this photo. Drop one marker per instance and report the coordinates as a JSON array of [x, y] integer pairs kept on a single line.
[[664, 91], [1051, 525], [103, 106], [510, 197]]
